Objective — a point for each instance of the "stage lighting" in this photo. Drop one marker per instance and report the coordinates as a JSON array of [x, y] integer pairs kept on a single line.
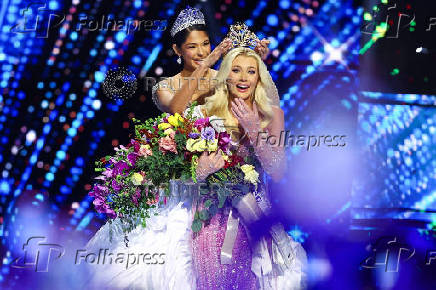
[[334, 53], [30, 136], [317, 57], [285, 4], [272, 20]]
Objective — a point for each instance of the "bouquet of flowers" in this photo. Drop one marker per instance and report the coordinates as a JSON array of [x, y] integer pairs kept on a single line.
[[135, 179]]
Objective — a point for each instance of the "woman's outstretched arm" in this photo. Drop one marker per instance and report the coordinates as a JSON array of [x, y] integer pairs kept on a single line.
[[176, 101]]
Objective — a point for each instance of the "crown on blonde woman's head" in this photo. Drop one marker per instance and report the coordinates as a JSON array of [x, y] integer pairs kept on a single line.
[[186, 18], [241, 36]]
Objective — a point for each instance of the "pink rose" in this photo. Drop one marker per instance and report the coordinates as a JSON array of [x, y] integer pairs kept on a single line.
[[144, 151], [167, 144]]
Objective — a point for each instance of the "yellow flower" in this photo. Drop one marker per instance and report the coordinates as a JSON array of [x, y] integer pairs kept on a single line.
[[250, 174], [252, 177], [137, 178], [190, 145], [193, 145], [212, 145], [163, 126], [179, 117], [247, 168], [175, 119], [168, 131]]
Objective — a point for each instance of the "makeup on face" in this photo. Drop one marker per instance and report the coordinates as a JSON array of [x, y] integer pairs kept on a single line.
[[243, 77], [195, 49]]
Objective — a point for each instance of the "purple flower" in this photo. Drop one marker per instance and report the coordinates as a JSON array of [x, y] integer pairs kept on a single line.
[[208, 133], [132, 158], [136, 196], [224, 140], [201, 123], [105, 208], [98, 202], [110, 213], [135, 144], [99, 191], [102, 207], [119, 168], [107, 173], [194, 135], [116, 186]]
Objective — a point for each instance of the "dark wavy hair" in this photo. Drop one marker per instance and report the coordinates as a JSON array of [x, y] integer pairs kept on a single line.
[[182, 35]]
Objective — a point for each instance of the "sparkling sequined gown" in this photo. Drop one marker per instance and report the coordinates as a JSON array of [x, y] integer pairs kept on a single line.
[[247, 258], [211, 274]]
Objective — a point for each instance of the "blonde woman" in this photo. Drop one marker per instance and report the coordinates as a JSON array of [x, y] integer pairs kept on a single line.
[[241, 99]]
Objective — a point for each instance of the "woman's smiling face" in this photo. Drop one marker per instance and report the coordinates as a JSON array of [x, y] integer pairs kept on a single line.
[[243, 77], [195, 49]]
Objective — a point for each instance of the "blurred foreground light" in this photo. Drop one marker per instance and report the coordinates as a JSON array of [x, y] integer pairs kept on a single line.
[[319, 269]]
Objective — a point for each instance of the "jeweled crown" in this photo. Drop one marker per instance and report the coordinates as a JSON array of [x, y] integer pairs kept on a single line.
[[241, 36], [186, 18]]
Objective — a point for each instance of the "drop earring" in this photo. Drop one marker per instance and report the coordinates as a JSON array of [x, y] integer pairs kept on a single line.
[[179, 60]]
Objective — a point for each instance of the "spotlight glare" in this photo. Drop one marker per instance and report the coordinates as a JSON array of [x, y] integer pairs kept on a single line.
[[317, 56]]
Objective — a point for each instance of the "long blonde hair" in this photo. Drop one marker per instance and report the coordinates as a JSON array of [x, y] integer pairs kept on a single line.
[[218, 103]]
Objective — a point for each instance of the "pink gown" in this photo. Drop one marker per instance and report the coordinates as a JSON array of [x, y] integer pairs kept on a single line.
[[206, 250]]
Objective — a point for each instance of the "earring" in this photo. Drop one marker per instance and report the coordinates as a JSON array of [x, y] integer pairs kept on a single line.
[[179, 60]]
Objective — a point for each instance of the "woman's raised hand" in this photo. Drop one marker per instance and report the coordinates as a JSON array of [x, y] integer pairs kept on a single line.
[[247, 118], [262, 48], [215, 55]]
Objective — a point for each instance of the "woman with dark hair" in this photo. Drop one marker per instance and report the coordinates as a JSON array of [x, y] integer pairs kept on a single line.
[[192, 45]]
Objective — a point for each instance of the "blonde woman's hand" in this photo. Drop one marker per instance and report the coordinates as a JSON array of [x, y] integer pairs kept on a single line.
[[247, 118], [209, 163], [215, 55], [262, 48]]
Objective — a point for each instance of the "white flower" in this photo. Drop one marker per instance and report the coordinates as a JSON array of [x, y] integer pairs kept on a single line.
[[196, 112], [217, 124]]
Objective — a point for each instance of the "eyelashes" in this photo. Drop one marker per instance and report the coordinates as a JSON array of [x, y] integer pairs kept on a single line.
[[235, 70]]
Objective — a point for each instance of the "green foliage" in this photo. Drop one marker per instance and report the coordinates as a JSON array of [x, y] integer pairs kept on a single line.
[[197, 225]]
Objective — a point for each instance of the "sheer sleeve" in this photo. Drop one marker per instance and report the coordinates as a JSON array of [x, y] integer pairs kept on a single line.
[[154, 94], [272, 157], [271, 92]]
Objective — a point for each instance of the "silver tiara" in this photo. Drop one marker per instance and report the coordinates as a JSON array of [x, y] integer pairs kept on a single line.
[[186, 18]]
